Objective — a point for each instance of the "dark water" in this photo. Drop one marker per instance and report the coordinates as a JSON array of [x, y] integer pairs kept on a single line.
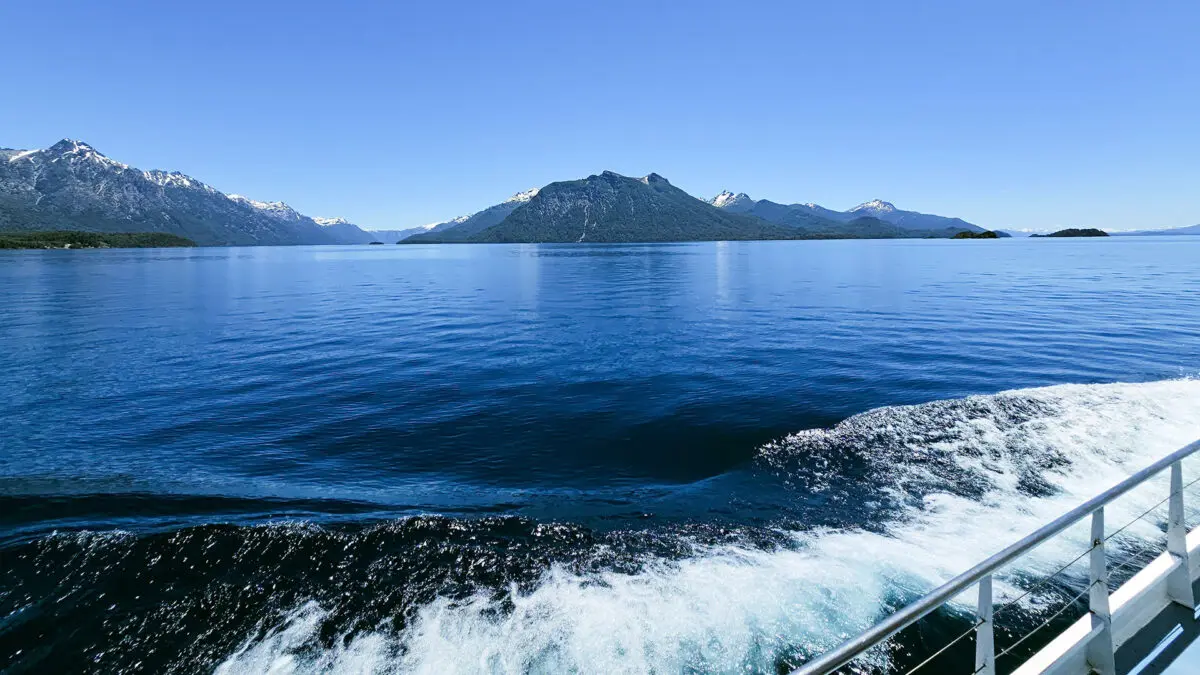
[[553, 458]]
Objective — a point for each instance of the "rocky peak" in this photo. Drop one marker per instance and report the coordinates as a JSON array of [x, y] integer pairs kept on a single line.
[[874, 206], [67, 145], [727, 199], [523, 196], [74, 152]]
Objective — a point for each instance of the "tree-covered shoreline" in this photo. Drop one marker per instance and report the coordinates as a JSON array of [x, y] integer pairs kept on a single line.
[[68, 239]]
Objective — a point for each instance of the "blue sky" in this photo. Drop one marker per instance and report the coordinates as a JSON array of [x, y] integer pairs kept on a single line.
[[392, 114]]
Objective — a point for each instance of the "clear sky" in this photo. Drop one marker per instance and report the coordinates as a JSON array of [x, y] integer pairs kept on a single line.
[[394, 114]]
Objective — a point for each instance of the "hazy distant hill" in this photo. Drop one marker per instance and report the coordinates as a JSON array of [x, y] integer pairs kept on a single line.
[[1191, 229], [394, 236], [71, 186]]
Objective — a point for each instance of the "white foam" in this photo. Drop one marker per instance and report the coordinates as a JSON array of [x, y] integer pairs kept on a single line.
[[734, 608]]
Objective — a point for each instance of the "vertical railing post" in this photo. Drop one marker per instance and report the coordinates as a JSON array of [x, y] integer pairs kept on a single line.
[[1100, 649], [985, 645], [1179, 582]]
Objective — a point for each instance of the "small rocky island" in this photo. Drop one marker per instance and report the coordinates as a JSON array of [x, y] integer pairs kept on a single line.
[[987, 234], [1075, 232]]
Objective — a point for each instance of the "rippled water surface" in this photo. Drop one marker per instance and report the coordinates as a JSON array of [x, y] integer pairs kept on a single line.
[[511, 459]]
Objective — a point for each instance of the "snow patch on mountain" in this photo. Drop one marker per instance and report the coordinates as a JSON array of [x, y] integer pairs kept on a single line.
[[875, 207], [277, 210], [519, 197], [727, 199], [176, 179], [22, 154]]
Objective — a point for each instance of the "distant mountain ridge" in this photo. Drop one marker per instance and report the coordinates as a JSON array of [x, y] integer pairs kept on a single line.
[[394, 236], [72, 186], [1190, 229], [813, 216], [610, 208], [463, 228]]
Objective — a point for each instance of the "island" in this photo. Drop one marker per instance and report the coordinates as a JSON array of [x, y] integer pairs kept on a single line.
[[1075, 232], [986, 234], [71, 239]]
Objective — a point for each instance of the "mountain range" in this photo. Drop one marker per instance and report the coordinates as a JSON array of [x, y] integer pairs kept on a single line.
[[609, 207], [820, 219], [72, 186]]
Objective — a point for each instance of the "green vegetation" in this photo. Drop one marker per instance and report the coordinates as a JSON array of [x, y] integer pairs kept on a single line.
[[1075, 232], [976, 235], [70, 239]]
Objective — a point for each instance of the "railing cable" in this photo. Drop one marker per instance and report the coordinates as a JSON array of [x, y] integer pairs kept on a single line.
[[1046, 579], [1052, 617], [1147, 512], [943, 649], [1039, 584]]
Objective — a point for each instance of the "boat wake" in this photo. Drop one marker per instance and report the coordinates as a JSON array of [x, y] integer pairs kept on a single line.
[[954, 481]]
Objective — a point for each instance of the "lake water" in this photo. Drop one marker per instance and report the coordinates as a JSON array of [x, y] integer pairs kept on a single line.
[[614, 458]]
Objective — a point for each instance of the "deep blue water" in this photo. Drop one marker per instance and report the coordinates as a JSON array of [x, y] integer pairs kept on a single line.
[[439, 422]]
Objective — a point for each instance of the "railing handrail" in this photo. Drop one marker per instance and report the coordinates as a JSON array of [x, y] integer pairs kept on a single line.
[[910, 614]]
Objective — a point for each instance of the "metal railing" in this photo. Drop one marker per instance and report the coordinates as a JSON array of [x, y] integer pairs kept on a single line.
[[1100, 647]]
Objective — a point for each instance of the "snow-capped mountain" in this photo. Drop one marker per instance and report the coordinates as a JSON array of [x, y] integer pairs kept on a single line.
[[736, 203], [911, 220], [72, 186], [523, 197], [876, 207], [811, 216], [808, 217], [344, 231]]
